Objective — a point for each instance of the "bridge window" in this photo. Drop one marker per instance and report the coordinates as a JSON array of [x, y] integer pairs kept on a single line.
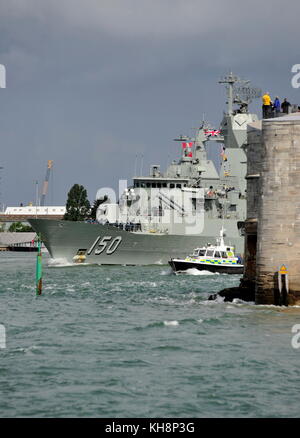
[[172, 186], [217, 254], [209, 253], [178, 186]]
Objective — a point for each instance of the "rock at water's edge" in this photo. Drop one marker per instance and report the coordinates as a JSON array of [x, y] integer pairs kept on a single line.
[[229, 294]]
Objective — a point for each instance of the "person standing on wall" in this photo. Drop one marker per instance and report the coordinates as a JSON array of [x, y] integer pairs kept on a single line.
[[267, 105], [285, 106], [276, 106]]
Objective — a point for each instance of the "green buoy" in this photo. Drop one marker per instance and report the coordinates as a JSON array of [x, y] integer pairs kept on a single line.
[[38, 275]]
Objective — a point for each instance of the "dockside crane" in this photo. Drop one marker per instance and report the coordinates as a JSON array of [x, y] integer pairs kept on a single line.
[[46, 182]]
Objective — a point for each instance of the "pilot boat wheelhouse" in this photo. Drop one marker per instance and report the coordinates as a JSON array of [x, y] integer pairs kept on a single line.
[[219, 258]]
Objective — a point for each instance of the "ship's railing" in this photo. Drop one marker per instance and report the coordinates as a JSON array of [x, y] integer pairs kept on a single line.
[[128, 226]]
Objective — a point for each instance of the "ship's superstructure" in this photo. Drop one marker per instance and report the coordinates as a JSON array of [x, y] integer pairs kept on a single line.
[[169, 213]]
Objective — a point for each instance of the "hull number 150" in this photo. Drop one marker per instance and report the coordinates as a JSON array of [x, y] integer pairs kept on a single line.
[[107, 244]]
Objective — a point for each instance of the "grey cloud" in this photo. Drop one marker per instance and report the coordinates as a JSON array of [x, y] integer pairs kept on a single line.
[[157, 18], [93, 83]]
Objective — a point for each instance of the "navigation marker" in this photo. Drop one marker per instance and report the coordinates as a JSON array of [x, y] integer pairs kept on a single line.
[[38, 275]]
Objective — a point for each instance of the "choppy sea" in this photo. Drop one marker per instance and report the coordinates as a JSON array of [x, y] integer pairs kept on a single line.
[[121, 341]]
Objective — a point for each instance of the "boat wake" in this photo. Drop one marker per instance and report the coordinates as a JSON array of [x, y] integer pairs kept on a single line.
[[63, 263], [171, 323], [194, 271], [167, 272]]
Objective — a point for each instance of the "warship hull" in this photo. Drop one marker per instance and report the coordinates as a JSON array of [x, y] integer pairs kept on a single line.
[[109, 245]]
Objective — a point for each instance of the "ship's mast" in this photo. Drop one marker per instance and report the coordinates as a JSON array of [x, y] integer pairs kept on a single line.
[[230, 80], [241, 95]]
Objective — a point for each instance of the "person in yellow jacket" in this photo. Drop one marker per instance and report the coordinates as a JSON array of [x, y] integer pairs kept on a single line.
[[267, 106]]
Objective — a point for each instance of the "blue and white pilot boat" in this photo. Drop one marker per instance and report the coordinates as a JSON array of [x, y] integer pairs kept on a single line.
[[219, 258]]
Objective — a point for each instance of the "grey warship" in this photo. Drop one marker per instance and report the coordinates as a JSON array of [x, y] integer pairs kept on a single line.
[[168, 214]]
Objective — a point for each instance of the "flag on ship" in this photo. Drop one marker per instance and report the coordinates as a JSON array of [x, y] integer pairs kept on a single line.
[[212, 132], [188, 148]]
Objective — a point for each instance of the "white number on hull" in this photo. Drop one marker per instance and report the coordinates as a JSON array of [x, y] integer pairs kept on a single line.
[[103, 245], [114, 245]]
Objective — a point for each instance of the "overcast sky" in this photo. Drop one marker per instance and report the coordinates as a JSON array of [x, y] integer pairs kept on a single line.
[[93, 83]]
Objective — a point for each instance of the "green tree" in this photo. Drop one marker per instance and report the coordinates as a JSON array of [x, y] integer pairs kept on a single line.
[[18, 227], [78, 205]]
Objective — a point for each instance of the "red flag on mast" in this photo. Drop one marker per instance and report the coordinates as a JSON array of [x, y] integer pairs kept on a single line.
[[188, 148]]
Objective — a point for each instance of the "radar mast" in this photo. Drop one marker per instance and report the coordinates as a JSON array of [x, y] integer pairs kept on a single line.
[[241, 95]]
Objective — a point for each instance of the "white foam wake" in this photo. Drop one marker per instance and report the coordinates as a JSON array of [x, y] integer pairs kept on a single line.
[[171, 323], [194, 271], [167, 272], [59, 262]]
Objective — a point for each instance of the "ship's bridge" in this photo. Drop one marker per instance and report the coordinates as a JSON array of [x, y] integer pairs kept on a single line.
[[160, 182]]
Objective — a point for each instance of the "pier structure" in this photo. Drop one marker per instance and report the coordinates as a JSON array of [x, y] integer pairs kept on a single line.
[[254, 160], [17, 241], [23, 213], [272, 227], [278, 208]]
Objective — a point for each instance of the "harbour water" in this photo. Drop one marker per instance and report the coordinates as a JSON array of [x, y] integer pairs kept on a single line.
[[121, 341]]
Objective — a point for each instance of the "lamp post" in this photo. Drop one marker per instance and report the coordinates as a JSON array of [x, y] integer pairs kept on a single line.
[[36, 196], [1, 203]]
